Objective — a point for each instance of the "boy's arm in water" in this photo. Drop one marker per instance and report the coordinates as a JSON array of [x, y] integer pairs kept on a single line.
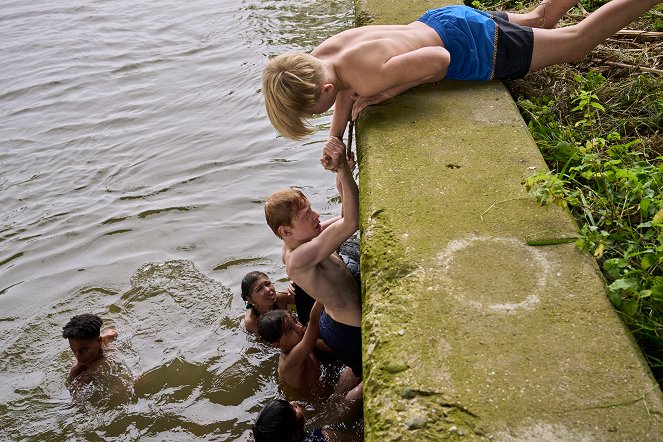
[[310, 254], [76, 370], [107, 336], [301, 351]]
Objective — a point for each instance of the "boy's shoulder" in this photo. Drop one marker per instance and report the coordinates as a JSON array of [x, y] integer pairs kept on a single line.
[[251, 321], [76, 370]]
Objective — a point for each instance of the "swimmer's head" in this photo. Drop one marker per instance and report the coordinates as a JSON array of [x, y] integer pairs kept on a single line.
[[86, 325], [281, 208], [84, 335], [280, 329], [258, 292], [279, 421], [291, 85]]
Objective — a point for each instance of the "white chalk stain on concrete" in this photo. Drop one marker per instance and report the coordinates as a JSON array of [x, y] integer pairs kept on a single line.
[[499, 275]]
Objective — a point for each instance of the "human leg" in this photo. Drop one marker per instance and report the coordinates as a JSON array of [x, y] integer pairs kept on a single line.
[[346, 382], [546, 15], [572, 43]]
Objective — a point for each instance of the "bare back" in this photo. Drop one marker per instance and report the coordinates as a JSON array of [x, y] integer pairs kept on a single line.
[[360, 54]]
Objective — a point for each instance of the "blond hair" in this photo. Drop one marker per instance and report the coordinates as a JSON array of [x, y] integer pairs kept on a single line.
[[281, 208], [291, 85]]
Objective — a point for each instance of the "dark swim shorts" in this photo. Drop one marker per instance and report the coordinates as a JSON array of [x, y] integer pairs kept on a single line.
[[304, 303], [344, 340], [515, 44]]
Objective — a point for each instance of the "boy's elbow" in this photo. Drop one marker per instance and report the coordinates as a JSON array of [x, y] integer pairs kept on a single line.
[[441, 64], [352, 223]]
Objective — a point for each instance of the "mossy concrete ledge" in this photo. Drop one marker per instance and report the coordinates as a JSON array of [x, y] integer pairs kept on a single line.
[[469, 333]]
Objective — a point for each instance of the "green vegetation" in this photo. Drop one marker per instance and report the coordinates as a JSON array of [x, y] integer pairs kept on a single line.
[[598, 125]]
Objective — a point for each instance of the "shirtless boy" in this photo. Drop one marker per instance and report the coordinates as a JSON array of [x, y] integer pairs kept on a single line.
[[298, 366], [367, 65], [309, 254], [87, 342]]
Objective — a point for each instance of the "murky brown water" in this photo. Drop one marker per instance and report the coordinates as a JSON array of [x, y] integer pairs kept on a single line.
[[135, 154]]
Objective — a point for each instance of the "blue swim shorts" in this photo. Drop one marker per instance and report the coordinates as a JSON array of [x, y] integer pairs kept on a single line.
[[483, 45]]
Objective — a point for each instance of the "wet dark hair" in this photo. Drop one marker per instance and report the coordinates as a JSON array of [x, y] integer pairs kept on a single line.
[[247, 285], [84, 326], [270, 325], [276, 422]]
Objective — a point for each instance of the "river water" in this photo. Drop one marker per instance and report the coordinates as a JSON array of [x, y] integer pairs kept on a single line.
[[135, 154]]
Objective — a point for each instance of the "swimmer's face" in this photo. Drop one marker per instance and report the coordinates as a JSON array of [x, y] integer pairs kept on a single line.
[[299, 415], [293, 332], [86, 350], [263, 294], [306, 224]]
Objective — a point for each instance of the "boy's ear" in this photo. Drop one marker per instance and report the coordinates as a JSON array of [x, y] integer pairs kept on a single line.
[[284, 231], [327, 88]]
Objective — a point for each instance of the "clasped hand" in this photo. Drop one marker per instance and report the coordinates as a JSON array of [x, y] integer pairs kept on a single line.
[[333, 155]]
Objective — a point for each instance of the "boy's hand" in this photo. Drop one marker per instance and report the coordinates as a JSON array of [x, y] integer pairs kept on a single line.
[[316, 311], [333, 155], [109, 333], [362, 102]]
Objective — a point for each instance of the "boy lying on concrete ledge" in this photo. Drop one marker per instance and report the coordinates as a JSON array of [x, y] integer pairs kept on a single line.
[[367, 65]]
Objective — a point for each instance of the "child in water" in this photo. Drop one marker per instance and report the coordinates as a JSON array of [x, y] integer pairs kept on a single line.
[[261, 297], [298, 366], [367, 65], [283, 421], [87, 342], [309, 254]]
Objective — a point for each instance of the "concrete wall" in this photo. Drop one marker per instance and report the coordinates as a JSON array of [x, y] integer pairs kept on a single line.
[[468, 332]]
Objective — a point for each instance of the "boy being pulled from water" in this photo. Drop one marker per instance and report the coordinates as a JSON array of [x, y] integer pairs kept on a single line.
[[367, 65], [309, 254], [87, 341], [298, 366]]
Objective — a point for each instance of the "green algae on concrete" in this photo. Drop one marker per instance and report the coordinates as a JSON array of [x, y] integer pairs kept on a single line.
[[469, 332]]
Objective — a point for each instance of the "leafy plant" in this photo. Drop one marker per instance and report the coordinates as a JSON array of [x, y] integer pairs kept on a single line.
[[614, 191]]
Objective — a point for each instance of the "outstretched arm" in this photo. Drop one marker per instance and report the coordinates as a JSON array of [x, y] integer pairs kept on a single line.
[[329, 240], [108, 335], [341, 116], [300, 352]]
